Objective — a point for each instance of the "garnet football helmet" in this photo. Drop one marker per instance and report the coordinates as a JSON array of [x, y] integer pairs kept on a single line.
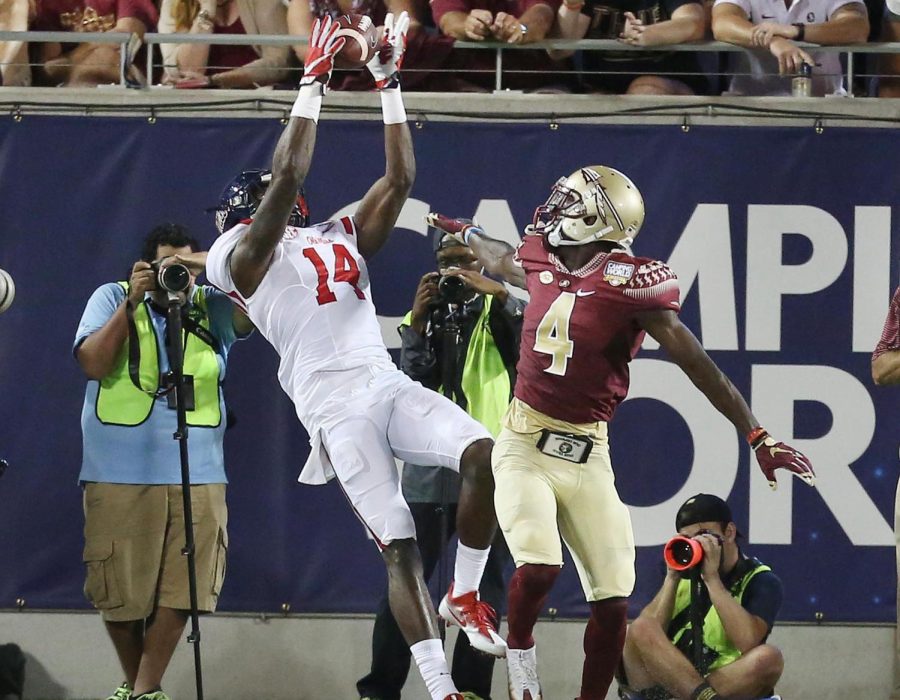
[[595, 203], [242, 196]]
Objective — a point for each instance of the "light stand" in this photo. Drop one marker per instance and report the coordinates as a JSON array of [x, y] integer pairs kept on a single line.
[[176, 371]]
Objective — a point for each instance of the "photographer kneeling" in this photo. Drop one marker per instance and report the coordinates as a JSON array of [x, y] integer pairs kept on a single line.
[[739, 601], [462, 333]]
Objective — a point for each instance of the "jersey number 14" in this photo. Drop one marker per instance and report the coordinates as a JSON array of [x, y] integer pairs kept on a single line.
[[345, 270]]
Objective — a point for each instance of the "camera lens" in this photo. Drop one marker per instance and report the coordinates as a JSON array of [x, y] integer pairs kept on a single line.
[[682, 552], [175, 278], [453, 290]]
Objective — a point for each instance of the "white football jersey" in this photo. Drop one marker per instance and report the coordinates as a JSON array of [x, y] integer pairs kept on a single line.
[[314, 306]]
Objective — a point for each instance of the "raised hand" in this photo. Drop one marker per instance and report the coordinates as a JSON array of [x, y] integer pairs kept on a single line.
[[457, 227], [773, 455], [323, 46], [385, 64]]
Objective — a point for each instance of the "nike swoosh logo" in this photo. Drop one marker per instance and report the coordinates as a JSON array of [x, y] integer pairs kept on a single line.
[[584, 293]]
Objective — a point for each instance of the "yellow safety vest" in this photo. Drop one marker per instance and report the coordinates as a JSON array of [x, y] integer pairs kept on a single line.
[[120, 402], [714, 636]]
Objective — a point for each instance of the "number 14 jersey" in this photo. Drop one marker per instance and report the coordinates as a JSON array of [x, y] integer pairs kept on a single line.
[[314, 304], [580, 330]]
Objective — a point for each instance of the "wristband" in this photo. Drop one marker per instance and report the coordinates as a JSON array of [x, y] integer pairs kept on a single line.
[[801, 31], [469, 231], [756, 435], [308, 102], [392, 106]]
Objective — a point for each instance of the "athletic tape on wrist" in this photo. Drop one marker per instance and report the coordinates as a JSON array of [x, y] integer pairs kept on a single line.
[[392, 108], [469, 231], [308, 102]]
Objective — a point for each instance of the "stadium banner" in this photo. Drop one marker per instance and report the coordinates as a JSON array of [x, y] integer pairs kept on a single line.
[[784, 240]]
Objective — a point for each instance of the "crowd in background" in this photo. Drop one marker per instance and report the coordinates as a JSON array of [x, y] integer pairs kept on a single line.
[[776, 34]]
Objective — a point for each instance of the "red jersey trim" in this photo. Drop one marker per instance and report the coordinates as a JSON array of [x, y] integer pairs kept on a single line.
[[347, 223]]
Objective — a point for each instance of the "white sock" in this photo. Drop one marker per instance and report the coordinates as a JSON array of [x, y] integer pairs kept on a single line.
[[429, 656], [468, 569]]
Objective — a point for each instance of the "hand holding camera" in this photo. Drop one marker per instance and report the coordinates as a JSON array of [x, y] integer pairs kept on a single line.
[[684, 553], [426, 294], [143, 280], [168, 276]]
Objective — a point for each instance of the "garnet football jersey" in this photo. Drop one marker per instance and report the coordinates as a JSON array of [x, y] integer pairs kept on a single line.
[[314, 306], [580, 331]]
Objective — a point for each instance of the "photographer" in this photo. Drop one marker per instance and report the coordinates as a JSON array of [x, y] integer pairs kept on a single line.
[[739, 601], [134, 526], [454, 308]]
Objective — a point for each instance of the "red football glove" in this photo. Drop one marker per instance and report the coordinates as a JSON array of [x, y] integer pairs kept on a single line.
[[773, 455], [323, 46], [457, 227]]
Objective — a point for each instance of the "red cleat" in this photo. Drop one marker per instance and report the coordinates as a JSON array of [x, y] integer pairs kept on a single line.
[[476, 618]]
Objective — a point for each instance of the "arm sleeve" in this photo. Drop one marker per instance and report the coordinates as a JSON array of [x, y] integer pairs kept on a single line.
[[99, 309], [417, 360], [441, 7], [221, 317], [763, 597], [143, 10], [218, 260], [890, 334], [653, 285]]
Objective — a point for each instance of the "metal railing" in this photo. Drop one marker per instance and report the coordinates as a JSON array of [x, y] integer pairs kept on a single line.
[[123, 39]]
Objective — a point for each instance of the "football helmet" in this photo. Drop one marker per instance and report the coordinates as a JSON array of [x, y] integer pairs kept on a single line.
[[241, 198], [595, 203]]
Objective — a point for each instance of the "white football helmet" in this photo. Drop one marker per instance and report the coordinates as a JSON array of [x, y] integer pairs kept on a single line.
[[595, 203]]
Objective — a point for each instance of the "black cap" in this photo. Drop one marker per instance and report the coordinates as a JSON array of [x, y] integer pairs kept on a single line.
[[702, 508]]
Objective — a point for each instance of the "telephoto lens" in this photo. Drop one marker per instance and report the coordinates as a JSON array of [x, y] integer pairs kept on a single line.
[[452, 289], [682, 553], [173, 278]]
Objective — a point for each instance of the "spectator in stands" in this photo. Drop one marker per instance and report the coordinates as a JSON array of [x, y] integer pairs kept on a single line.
[[773, 29], [644, 23], [221, 65], [14, 68], [739, 601], [131, 471], [509, 21], [889, 86], [886, 372], [87, 64], [427, 54]]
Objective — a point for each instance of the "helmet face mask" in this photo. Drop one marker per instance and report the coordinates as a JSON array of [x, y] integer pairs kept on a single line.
[[595, 203], [243, 195]]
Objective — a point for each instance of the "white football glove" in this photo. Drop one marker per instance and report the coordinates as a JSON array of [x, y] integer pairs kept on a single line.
[[385, 64], [323, 46]]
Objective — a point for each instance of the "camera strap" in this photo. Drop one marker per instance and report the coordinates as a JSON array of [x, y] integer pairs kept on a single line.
[[134, 348]]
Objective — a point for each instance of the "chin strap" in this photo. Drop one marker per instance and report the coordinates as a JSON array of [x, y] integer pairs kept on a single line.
[[555, 237]]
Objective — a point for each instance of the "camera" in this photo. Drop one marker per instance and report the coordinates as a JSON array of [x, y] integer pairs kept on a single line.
[[172, 278], [682, 553], [452, 290]]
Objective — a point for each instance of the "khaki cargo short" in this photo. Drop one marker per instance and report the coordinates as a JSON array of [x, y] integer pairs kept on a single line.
[[134, 535]]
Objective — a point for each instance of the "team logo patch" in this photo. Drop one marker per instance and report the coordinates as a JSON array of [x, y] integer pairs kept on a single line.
[[546, 277], [617, 273]]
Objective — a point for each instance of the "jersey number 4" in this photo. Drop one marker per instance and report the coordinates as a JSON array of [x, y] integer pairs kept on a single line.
[[345, 270], [552, 336]]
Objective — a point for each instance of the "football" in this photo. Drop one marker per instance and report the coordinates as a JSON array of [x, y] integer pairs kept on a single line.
[[362, 41], [7, 291]]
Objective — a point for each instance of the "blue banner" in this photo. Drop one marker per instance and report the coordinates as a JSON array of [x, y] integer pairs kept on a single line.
[[782, 239]]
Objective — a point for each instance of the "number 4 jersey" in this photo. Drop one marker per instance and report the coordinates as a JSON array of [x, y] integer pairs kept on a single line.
[[314, 306], [580, 330]]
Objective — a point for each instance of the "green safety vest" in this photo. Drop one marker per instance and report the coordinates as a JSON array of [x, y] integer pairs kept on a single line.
[[714, 637], [485, 379], [120, 402]]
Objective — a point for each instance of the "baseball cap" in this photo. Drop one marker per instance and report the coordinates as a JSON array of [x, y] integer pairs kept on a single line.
[[702, 508]]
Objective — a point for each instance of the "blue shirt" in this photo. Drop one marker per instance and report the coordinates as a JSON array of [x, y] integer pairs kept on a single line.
[[147, 453]]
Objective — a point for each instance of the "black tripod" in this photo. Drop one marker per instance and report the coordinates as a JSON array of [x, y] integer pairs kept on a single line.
[[176, 371], [449, 353]]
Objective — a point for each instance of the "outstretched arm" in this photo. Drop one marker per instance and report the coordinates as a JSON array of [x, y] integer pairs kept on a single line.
[[381, 206], [684, 348], [290, 164], [497, 256]]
